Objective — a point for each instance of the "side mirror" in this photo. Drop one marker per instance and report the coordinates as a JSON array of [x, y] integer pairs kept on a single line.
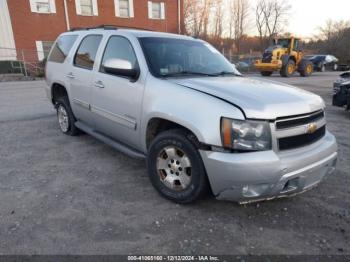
[[120, 67]]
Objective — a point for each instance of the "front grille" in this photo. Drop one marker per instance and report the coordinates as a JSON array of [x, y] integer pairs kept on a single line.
[[292, 142], [283, 123], [267, 57]]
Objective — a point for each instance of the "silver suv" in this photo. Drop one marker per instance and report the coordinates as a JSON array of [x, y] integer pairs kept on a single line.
[[177, 102]]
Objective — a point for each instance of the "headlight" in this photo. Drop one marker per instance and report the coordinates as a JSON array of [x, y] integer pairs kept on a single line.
[[245, 135], [345, 83]]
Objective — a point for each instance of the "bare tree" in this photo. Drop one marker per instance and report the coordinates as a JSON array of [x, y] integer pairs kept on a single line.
[[239, 12], [270, 17], [334, 38], [197, 17], [217, 19]]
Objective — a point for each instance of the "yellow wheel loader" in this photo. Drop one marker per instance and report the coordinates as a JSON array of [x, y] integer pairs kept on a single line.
[[286, 57]]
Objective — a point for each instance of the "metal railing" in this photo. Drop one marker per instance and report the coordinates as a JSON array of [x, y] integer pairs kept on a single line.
[[22, 61]]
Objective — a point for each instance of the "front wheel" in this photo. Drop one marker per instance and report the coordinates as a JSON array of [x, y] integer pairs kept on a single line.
[[175, 167], [288, 69]]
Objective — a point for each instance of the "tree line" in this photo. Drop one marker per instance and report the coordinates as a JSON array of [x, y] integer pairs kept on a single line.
[[243, 26], [227, 23], [333, 38]]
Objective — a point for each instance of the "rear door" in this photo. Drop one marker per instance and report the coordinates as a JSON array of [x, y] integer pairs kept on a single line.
[[117, 100], [57, 63], [81, 76]]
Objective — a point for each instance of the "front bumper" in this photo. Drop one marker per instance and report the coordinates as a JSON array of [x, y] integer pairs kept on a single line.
[[250, 177], [275, 65]]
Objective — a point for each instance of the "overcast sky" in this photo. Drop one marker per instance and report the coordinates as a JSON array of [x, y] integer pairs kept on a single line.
[[307, 15]]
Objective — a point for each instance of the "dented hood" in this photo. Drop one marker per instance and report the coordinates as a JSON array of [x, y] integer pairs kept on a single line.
[[259, 99]]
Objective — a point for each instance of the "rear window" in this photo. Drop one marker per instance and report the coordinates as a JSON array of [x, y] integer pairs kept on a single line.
[[61, 48]]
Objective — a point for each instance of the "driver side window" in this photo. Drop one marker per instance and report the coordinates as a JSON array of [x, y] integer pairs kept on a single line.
[[118, 47]]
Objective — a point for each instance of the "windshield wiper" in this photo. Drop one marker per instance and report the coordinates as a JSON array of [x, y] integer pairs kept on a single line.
[[223, 73], [182, 73]]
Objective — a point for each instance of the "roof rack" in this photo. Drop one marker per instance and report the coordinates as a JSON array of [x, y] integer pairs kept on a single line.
[[106, 27]]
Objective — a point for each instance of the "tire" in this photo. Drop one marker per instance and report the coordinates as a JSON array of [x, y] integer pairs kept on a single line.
[[286, 69], [173, 154], [306, 68], [67, 124], [266, 73]]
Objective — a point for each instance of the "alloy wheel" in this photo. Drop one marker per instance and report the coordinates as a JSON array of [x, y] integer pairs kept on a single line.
[[63, 119], [174, 168]]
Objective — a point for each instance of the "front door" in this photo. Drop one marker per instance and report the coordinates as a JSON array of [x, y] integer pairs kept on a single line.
[[117, 100]]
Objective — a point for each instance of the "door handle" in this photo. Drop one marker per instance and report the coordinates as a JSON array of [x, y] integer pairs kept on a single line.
[[70, 75], [99, 84]]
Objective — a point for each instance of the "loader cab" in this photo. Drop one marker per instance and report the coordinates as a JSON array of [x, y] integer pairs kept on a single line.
[[284, 42], [294, 44]]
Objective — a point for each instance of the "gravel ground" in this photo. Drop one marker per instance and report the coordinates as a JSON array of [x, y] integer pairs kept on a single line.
[[76, 195]]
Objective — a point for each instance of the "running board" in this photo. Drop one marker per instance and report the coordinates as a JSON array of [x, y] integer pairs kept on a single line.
[[116, 145]]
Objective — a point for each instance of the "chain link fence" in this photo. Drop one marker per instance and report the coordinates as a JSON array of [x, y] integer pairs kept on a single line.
[[24, 62]]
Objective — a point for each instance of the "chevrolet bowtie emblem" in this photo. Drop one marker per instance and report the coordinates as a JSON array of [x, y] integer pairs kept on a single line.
[[311, 128]]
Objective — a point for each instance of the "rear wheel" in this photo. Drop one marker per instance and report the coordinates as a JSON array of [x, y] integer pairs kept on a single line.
[[306, 68], [175, 167], [288, 69], [266, 73], [65, 117]]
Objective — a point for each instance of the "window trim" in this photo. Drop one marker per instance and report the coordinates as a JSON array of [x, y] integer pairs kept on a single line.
[[162, 10], [76, 51], [40, 50], [51, 3], [91, 5], [137, 65], [78, 9], [117, 9]]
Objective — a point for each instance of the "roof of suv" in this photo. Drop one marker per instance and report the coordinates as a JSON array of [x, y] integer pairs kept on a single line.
[[144, 33], [135, 32]]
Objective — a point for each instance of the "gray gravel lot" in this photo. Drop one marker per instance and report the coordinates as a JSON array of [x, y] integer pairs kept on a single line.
[[76, 195]]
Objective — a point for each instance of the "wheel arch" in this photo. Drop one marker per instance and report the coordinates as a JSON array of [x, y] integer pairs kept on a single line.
[[285, 58], [58, 90], [158, 124]]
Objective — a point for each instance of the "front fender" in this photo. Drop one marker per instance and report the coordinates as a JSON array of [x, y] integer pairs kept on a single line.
[[201, 113]]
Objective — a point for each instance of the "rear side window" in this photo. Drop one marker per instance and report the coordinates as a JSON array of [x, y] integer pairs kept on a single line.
[[85, 56], [61, 48]]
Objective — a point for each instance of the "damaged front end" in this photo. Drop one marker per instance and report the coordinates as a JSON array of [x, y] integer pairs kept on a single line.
[[341, 96]]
